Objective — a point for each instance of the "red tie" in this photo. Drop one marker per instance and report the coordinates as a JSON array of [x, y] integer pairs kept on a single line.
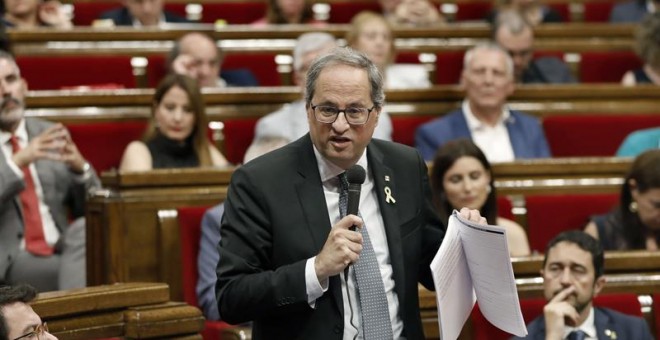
[[35, 242]]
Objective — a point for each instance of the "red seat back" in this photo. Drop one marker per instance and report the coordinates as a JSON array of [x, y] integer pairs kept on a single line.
[[56, 72], [504, 207], [598, 11], [448, 66], [403, 127], [343, 12], [103, 144], [532, 308], [592, 135], [238, 135], [84, 13], [234, 13], [563, 8], [607, 67], [472, 10], [548, 215]]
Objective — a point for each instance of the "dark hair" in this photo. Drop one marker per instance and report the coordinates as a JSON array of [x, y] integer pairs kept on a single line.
[[645, 171], [444, 159], [275, 16], [11, 294], [586, 242], [199, 140]]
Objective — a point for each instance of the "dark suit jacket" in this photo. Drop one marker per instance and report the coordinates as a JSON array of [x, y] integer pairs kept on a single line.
[[610, 324], [549, 70], [63, 194], [525, 132], [121, 17], [276, 218], [631, 11]]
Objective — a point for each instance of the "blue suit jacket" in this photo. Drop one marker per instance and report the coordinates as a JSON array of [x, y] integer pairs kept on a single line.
[[629, 12], [610, 324], [121, 17], [525, 132], [207, 260]]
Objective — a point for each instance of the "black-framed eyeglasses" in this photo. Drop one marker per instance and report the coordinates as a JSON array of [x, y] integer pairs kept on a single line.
[[354, 115], [37, 333]]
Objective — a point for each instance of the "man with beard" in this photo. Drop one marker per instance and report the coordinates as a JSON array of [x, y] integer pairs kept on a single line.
[[43, 184], [572, 275]]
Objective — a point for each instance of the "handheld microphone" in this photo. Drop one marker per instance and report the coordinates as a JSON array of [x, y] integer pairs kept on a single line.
[[355, 176]]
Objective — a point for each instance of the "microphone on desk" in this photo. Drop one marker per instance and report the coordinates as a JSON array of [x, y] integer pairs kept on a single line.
[[355, 176]]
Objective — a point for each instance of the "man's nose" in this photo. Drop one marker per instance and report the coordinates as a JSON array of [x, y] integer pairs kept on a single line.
[[566, 276]]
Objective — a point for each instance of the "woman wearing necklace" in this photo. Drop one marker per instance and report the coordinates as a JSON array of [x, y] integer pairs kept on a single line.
[[176, 135], [635, 223]]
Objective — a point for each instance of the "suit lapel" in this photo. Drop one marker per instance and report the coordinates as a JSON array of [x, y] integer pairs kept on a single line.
[[312, 200], [605, 328], [384, 179]]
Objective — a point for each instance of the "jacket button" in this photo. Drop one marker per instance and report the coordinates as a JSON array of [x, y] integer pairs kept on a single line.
[[337, 329]]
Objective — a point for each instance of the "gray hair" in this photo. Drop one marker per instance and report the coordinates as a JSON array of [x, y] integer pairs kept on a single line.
[[647, 37], [310, 42], [349, 57], [489, 46], [10, 58], [512, 21]]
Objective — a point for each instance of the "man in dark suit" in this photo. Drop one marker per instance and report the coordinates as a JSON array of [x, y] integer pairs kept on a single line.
[[572, 275], [43, 182], [632, 11], [139, 13], [285, 246], [502, 134]]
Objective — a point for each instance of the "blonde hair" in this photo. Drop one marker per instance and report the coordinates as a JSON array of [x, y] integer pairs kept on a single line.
[[360, 21]]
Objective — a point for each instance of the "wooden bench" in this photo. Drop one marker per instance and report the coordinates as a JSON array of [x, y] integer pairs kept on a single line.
[[127, 310]]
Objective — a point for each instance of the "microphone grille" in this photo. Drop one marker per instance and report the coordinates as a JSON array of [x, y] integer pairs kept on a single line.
[[356, 174]]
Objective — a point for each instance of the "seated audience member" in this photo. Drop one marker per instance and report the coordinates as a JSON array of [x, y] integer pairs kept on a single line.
[[533, 11], [288, 12], [632, 11], [502, 134], [289, 122], [461, 177], [208, 256], [411, 12], [35, 13], [138, 13], [635, 223], [372, 35], [514, 34], [647, 46], [44, 181], [572, 273], [176, 134], [198, 56], [17, 319], [639, 141]]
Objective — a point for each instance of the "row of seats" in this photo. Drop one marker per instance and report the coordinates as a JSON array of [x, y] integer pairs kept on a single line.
[[121, 70], [84, 13]]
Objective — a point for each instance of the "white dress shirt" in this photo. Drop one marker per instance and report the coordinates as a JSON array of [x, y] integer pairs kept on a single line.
[[370, 212], [588, 327], [494, 141], [51, 233]]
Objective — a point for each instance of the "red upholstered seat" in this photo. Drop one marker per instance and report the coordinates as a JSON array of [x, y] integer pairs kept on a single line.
[[56, 72], [234, 13], [403, 127], [592, 135], [343, 12], [598, 11], [607, 67], [190, 221], [548, 215], [238, 135], [448, 66], [103, 144], [504, 207], [472, 10], [84, 13], [532, 308]]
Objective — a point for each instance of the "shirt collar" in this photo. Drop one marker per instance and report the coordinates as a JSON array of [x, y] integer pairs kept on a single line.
[[162, 21], [474, 123], [329, 170], [588, 327], [21, 133]]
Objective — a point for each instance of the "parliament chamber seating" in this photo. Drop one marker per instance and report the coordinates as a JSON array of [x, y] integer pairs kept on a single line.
[[478, 10], [592, 135], [548, 215], [238, 135], [58, 72], [607, 66], [84, 13], [598, 11], [342, 12], [482, 329]]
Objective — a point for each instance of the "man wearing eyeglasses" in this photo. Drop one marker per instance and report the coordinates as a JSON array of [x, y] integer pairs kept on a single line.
[[285, 246], [572, 274], [17, 319], [515, 35]]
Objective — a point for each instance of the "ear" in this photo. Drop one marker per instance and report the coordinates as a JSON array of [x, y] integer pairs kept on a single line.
[[599, 284]]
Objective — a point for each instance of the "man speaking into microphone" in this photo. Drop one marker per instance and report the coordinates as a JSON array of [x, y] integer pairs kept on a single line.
[[287, 235]]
